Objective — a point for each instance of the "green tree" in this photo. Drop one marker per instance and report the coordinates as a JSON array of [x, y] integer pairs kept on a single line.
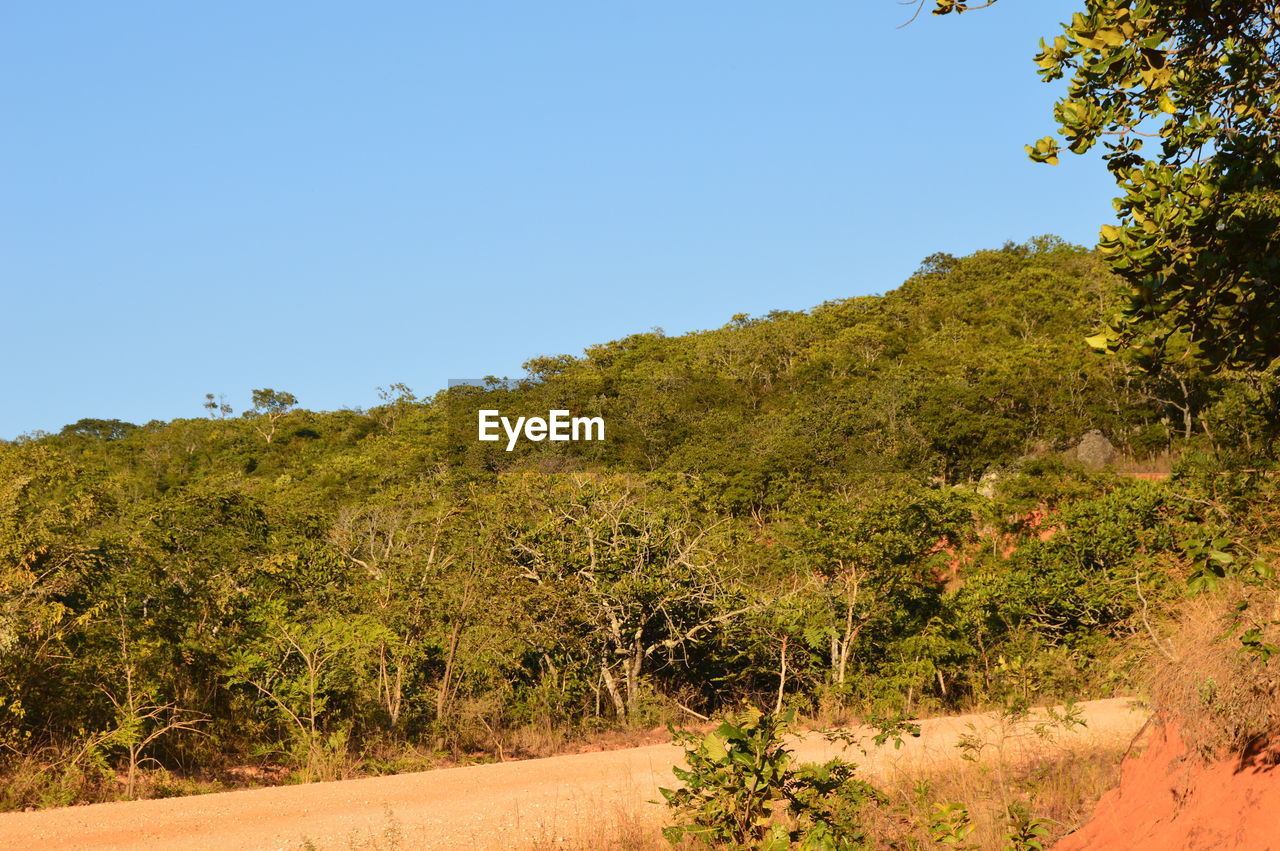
[[869, 563], [216, 407], [632, 577], [98, 429], [397, 400], [268, 407], [1198, 237], [299, 666], [139, 721], [47, 559]]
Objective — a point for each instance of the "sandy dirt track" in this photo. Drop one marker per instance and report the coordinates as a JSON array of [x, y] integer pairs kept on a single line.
[[558, 801]]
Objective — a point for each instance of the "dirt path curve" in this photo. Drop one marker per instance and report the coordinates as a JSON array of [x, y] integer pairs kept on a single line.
[[564, 800]]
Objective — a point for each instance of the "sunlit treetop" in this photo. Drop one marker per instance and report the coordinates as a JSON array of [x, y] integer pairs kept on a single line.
[[1184, 98]]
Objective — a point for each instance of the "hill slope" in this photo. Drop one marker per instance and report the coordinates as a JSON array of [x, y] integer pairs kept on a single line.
[[783, 512]]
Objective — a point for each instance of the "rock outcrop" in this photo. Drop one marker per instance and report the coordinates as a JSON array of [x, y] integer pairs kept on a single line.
[[1093, 451]]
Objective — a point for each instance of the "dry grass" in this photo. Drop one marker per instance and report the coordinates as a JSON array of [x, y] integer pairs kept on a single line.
[[637, 829], [1153, 467], [587, 823], [1062, 790], [1221, 696], [59, 778]]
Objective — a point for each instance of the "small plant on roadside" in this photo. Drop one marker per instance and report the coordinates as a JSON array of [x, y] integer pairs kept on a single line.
[[1056, 722], [740, 790], [951, 825], [827, 802], [892, 728], [736, 775], [1026, 831]]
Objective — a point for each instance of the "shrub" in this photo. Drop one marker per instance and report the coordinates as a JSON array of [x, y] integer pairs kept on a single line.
[[740, 789]]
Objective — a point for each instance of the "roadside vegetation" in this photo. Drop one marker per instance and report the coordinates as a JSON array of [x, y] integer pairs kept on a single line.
[[742, 789], [1006, 798]]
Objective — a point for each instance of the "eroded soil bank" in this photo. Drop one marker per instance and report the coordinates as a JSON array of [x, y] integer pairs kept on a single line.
[[1169, 799]]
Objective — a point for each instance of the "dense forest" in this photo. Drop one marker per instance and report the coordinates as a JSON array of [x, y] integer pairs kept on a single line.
[[871, 507]]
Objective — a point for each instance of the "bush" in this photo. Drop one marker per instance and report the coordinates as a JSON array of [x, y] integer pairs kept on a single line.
[[740, 790]]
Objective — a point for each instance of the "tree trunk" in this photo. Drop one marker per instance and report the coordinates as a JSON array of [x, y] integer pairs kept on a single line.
[[846, 645], [611, 685], [446, 678], [391, 686], [634, 666], [782, 677], [1186, 410]]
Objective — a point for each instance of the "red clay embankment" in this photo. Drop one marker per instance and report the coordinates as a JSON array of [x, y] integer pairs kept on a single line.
[[1169, 800]]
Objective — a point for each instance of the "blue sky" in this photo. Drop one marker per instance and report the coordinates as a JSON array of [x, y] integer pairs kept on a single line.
[[328, 197]]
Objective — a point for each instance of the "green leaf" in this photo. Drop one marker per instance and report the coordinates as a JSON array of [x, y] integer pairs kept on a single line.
[[1101, 342], [714, 745]]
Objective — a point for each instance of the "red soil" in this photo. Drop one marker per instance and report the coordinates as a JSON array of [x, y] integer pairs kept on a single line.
[[1037, 522], [1168, 799]]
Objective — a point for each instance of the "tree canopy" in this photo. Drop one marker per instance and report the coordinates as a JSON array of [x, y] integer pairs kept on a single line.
[[1184, 97]]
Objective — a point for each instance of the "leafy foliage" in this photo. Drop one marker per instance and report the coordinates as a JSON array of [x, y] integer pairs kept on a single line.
[[739, 784], [1198, 237]]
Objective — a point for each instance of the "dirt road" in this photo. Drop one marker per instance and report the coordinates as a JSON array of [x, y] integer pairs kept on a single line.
[[559, 801]]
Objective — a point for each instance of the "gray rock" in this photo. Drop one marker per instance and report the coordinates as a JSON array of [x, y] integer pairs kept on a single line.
[[1094, 451], [987, 484]]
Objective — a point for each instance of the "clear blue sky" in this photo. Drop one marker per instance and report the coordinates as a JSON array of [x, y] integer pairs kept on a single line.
[[326, 197]]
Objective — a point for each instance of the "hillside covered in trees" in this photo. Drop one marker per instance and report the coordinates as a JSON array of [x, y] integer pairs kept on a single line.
[[869, 506]]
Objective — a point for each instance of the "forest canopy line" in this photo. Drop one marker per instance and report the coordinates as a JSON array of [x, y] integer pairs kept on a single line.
[[869, 505]]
